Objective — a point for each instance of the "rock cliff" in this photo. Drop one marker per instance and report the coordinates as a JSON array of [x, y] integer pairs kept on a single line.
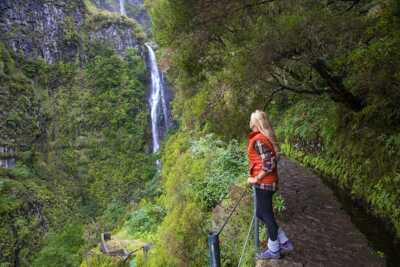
[[62, 30], [133, 8]]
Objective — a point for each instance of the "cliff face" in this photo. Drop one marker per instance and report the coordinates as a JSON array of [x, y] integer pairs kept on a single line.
[[61, 30], [64, 96], [118, 32], [41, 28], [136, 9], [133, 8], [56, 31], [119, 37]]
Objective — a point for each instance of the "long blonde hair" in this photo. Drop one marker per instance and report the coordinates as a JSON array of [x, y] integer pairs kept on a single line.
[[260, 120]]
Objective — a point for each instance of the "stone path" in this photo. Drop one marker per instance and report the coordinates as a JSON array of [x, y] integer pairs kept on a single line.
[[322, 232]]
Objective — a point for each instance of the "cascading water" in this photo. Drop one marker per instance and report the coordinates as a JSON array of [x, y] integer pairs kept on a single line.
[[122, 10], [7, 163], [6, 159], [157, 101]]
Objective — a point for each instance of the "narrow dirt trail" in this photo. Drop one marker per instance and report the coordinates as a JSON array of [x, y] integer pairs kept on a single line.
[[322, 232]]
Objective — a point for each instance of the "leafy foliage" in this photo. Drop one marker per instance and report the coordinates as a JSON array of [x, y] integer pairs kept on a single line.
[[62, 249], [199, 172], [87, 159], [350, 158], [21, 116], [226, 164], [327, 72], [144, 220], [230, 57]]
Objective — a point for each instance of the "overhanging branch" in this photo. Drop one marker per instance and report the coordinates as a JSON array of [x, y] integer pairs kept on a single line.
[[338, 91], [233, 11]]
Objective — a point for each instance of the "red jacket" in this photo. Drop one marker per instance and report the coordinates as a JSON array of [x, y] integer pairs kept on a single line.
[[255, 160]]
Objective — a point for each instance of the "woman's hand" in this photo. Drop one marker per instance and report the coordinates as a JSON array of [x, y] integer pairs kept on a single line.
[[251, 180]]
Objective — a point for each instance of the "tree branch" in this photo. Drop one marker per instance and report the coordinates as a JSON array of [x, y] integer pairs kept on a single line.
[[234, 10], [271, 96], [286, 87], [338, 91]]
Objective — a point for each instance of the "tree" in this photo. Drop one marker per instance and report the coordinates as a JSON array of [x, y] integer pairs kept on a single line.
[[246, 54]]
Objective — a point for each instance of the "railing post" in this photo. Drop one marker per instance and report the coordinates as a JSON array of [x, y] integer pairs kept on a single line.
[[256, 229], [213, 249]]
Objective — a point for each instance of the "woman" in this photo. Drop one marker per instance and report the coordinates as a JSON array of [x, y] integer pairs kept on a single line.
[[262, 153]]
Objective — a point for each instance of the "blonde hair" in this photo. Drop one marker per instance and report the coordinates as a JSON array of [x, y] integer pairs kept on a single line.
[[260, 120]]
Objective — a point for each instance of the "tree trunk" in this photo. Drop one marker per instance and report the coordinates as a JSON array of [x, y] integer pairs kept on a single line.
[[338, 92]]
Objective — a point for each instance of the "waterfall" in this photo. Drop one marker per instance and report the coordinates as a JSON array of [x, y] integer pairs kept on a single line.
[[7, 163], [7, 160], [122, 10], [157, 101]]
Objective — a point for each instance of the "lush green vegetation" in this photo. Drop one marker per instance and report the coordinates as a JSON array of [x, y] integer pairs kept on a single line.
[[326, 72], [364, 164], [100, 18], [79, 128], [81, 144], [197, 173]]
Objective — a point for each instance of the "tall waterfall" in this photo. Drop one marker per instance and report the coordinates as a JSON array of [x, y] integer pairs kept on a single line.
[[122, 7], [159, 112], [7, 160]]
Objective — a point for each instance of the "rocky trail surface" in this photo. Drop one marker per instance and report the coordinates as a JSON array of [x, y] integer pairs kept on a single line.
[[322, 232]]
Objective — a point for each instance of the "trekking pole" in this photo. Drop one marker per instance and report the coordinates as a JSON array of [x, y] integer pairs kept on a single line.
[[245, 243], [256, 227]]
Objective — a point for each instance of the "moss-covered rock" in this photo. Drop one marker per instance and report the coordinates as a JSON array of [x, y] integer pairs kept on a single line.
[[38, 28], [64, 30], [20, 108]]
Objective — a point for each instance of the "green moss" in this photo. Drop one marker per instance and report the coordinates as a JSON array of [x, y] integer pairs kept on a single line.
[[98, 19], [21, 108], [80, 135], [364, 162], [71, 34]]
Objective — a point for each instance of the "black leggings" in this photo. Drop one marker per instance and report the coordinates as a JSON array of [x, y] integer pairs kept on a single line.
[[265, 212]]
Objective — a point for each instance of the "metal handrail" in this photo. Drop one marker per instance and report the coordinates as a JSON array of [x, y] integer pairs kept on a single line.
[[213, 237]]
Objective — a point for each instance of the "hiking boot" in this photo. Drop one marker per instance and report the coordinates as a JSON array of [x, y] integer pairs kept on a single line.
[[268, 254], [286, 247]]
